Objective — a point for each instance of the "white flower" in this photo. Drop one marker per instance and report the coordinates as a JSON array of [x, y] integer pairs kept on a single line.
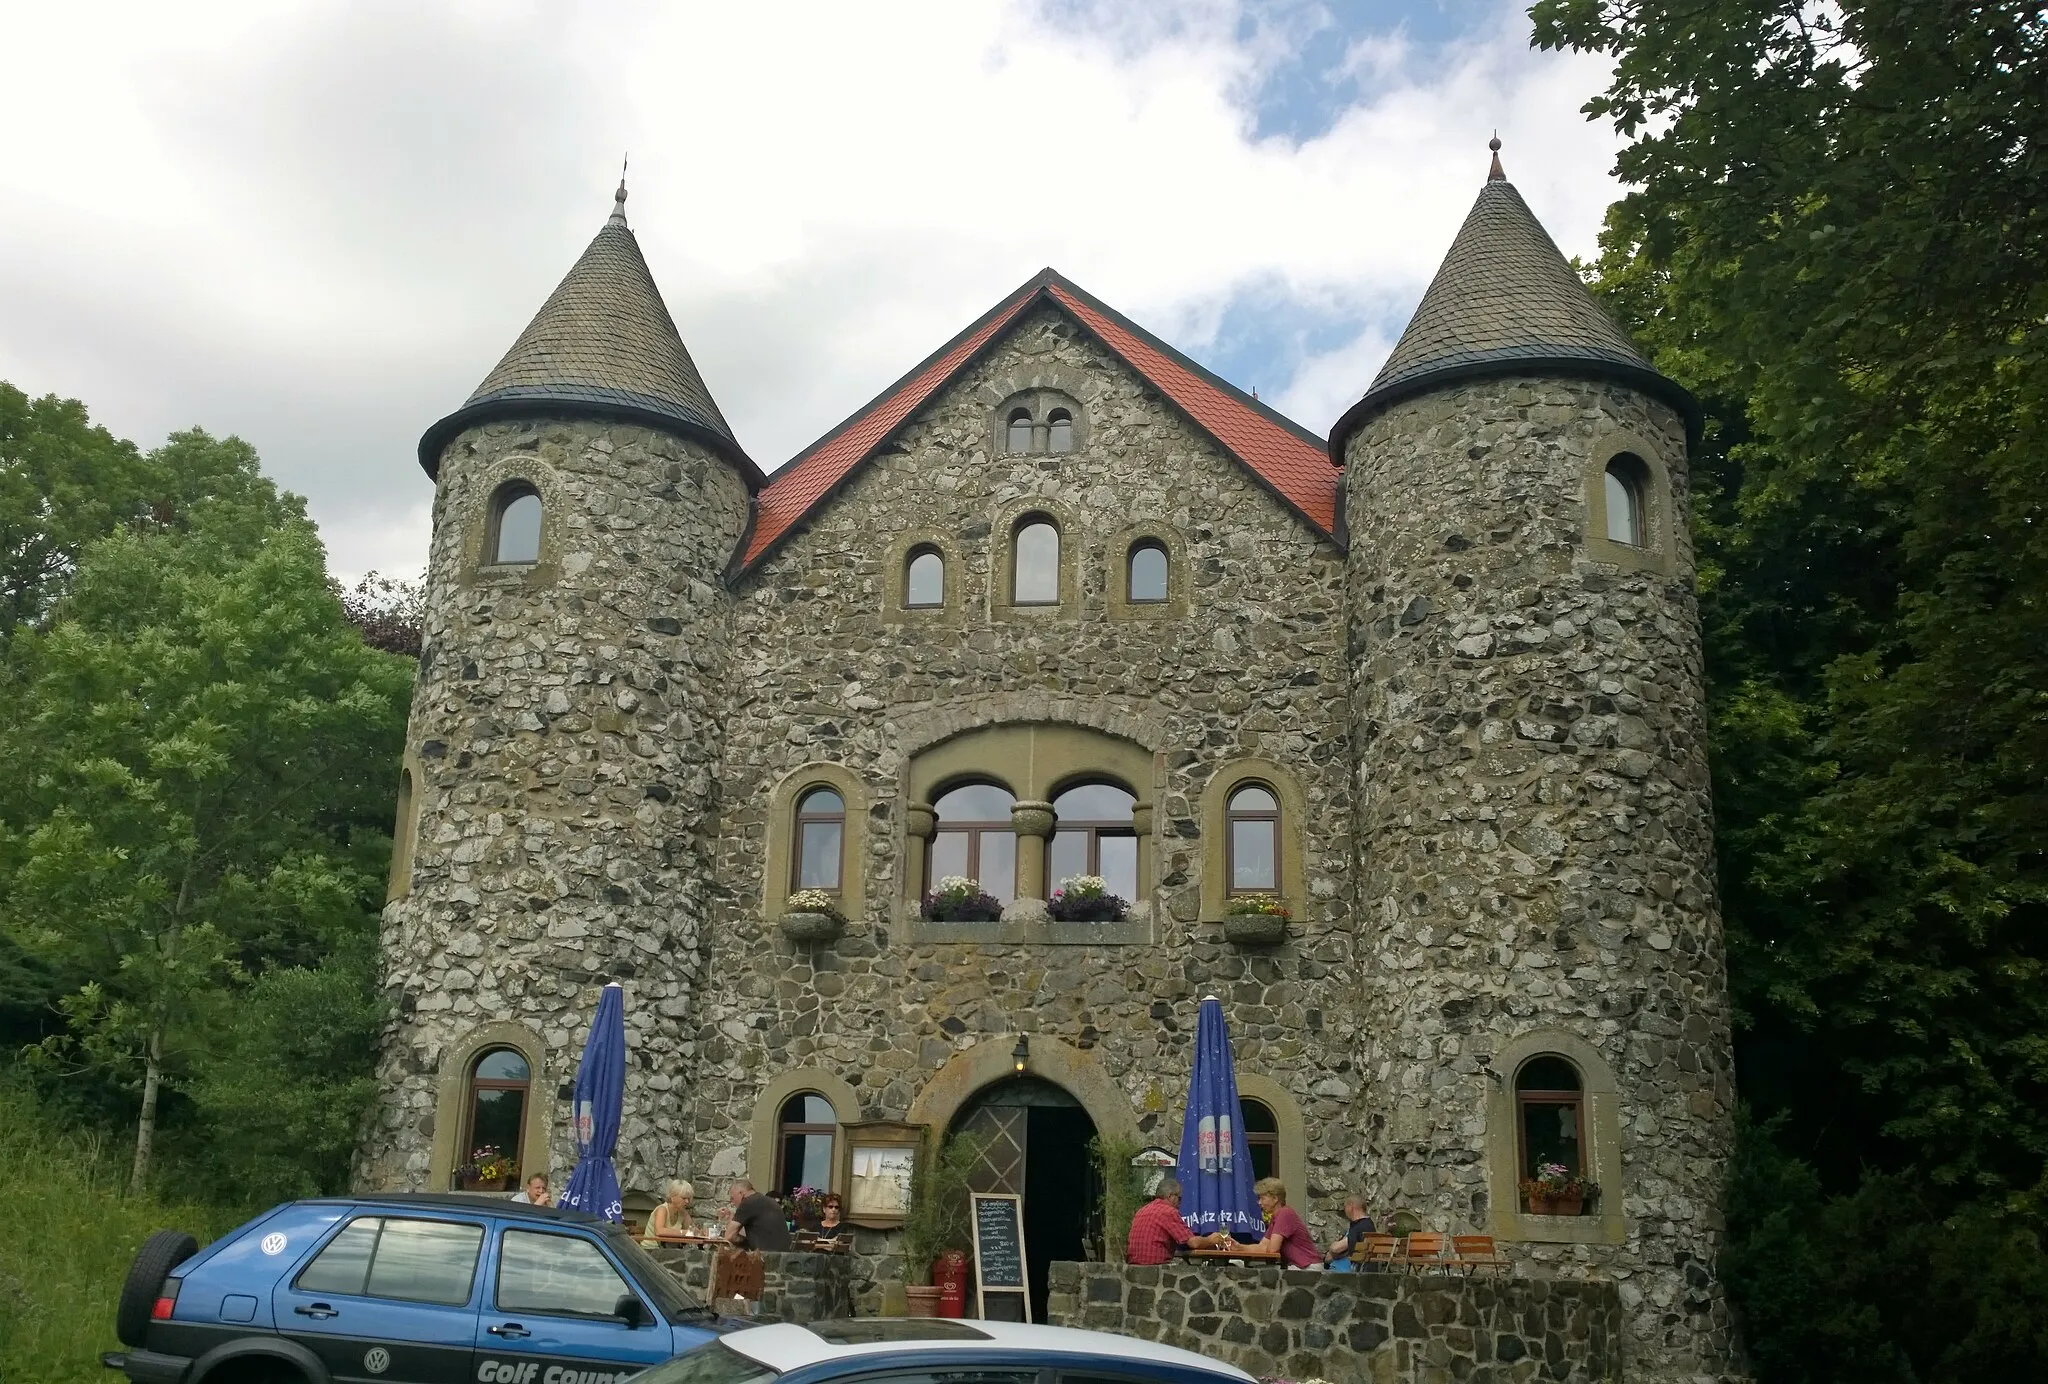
[[958, 884], [1084, 884], [812, 901]]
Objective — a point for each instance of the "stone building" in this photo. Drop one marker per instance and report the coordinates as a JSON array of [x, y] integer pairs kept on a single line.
[[1058, 602]]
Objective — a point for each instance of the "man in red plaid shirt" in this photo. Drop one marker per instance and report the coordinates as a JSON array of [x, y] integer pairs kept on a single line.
[[1157, 1230]]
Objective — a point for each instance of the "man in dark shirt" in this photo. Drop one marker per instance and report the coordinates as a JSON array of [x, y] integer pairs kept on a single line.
[[757, 1220]]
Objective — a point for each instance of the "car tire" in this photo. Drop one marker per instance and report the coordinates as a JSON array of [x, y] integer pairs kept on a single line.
[[160, 1253]]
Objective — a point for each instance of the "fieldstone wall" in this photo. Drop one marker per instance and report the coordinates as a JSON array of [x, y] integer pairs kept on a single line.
[[830, 669], [1381, 1328], [1535, 838], [795, 1288], [564, 741]]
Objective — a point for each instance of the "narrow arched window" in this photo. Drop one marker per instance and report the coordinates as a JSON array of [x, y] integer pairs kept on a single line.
[[804, 1130], [975, 840], [1550, 1123], [402, 831], [499, 1082], [1093, 835], [1147, 572], [1018, 438], [1625, 477], [1037, 575], [1261, 1137], [1059, 427], [1251, 840], [515, 523], [924, 579], [820, 839]]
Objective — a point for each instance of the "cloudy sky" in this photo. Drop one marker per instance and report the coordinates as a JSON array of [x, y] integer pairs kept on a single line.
[[318, 225]]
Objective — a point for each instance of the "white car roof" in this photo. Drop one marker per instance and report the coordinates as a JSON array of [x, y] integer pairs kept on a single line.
[[787, 1347]]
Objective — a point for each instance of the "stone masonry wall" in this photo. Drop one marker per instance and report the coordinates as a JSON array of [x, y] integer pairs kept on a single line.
[[827, 670], [1373, 1328], [564, 741], [1535, 835]]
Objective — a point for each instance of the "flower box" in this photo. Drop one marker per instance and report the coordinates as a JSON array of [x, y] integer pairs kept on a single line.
[[1557, 1204], [1556, 1190], [961, 900], [1086, 899], [470, 1182], [1255, 920]]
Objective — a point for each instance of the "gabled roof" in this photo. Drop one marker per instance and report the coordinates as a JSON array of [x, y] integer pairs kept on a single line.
[[1504, 302], [1286, 458], [603, 344]]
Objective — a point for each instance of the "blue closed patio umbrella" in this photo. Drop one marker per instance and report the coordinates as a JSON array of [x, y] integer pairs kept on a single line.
[[1215, 1167], [600, 1095]]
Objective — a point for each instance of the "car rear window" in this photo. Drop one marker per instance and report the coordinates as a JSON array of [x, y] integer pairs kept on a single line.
[[397, 1257], [713, 1363]]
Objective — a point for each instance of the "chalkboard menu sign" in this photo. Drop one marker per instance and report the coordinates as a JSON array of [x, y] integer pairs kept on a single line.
[[999, 1278]]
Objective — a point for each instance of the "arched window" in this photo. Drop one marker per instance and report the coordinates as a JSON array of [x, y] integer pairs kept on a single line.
[[1036, 580], [1018, 435], [1147, 571], [820, 839], [1625, 477], [1252, 840], [804, 1131], [515, 524], [975, 840], [1550, 1115], [924, 579], [1094, 836], [402, 832], [1059, 425], [1261, 1137], [498, 1084]]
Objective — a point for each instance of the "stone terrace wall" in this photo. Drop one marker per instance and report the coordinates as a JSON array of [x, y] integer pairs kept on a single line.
[[1353, 1328], [795, 1288]]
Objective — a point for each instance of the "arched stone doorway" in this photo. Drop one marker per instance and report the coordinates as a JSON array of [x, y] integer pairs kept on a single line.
[[1033, 1137]]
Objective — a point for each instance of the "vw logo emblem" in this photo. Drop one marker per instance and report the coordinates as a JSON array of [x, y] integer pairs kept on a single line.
[[273, 1243], [376, 1359]]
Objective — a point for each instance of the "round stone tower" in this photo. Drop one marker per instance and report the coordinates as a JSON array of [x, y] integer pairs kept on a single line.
[[1538, 925], [558, 797]]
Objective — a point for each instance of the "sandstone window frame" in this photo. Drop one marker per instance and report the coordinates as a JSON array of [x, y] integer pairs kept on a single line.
[[405, 830], [763, 1144], [1117, 555], [1291, 1136], [1039, 406], [1238, 808], [505, 497], [474, 494], [1290, 834], [1657, 551], [1600, 1115], [779, 863], [1010, 522], [451, 1097], [896, 607]]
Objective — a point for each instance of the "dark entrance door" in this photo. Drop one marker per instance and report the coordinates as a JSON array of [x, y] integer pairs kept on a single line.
[[1034, 1141]]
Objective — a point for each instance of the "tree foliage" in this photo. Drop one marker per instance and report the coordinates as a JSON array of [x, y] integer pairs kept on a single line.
[[1837, 236]]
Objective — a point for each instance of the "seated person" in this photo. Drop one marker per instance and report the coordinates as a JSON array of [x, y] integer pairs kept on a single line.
[[757, 1220], [1157, 1230], [672, 1217], [1358, 1225], [535, 1193], [830, 1213], [1285, 1230]]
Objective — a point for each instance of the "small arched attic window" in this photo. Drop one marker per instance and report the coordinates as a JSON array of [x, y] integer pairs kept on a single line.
[[924, 579], [1059, 426], [1017, 438], [515, 524], [1147, 574], [1626, 484]]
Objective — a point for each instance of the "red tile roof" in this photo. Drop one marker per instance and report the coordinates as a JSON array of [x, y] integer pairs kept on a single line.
[[1289, 460]]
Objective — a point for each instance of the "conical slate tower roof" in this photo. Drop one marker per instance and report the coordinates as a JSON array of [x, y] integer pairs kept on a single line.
[[602, 345], [1504, 302]]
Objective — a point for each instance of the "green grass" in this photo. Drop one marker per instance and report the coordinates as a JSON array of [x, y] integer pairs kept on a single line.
[[68, 1230]]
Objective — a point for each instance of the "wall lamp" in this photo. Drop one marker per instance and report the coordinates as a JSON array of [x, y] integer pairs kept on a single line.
[[1020, 1056]]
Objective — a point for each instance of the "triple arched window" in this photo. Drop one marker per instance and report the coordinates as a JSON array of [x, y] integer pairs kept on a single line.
[[1094, 833], [974, 839], [1251, 841], [514, 533]]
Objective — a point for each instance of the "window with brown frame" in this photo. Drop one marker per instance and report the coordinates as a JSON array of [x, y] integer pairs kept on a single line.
[[805, 1130], [1035, 562], [1550, 1115], [1146, 572], [975, 839], [515, 524], [499, 1084], [820, 840], [924, 579], [1251, 840], [1059, 426], [1261, 1138], [1094, 836], [1017, 437], [1624, 482]]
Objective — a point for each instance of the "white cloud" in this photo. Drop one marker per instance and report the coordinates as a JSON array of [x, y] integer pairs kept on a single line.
[[318, 225]]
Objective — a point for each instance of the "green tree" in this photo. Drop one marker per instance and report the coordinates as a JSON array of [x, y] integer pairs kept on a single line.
[[63, 483]]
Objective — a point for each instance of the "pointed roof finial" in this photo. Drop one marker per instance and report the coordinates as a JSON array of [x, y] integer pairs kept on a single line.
[[1494, 174], [618, 216]]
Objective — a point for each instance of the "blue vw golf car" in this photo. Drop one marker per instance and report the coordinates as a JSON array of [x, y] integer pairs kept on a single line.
[[418, 1289]]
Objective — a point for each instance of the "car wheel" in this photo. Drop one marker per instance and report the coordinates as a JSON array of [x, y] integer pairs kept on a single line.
[[160, 1253]]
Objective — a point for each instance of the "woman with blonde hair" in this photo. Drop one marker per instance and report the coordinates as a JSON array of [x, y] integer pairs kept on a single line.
[[672, 1217], [1285, 1230]]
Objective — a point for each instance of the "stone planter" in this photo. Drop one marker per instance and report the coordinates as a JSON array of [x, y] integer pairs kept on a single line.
[[1254, 929], [923, 1300], [812, 927], [1561, 1204]]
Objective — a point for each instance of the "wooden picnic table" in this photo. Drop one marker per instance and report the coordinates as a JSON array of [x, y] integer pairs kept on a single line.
[[1251, 1254]]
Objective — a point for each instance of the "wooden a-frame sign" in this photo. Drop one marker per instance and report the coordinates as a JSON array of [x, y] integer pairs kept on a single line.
[[999, 1268]]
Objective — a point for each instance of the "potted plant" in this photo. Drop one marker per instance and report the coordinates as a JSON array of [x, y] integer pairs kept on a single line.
[[1557, 1191], [812, 915], [487, 1170], [936, 1219], [1255, 919], [1086, 899], [958, 899], [802, 1207]]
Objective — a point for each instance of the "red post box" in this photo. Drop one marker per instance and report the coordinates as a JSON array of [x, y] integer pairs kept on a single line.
[[949, 1276]]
